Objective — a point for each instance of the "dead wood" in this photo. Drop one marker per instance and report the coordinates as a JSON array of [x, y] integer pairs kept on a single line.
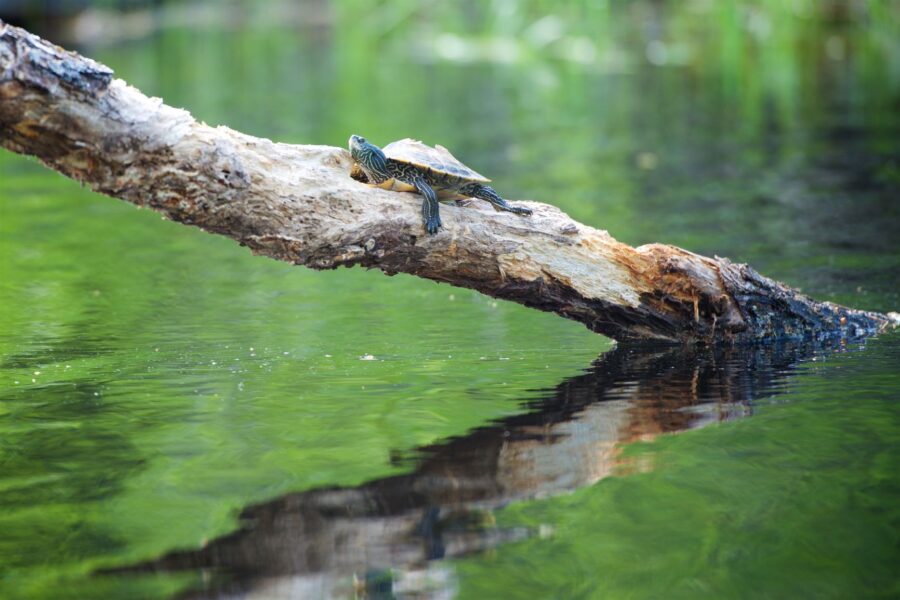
[[298, 203]]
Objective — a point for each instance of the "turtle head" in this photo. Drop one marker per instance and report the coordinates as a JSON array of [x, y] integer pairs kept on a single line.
[[370, 158]]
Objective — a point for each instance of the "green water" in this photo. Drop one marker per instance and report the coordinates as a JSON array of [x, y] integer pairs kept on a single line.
[[156, 380]]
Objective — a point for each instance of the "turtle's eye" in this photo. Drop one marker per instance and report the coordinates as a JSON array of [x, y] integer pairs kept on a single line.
[[362, 140]]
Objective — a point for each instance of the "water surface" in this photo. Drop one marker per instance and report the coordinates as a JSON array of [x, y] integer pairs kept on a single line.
[[181, 416]]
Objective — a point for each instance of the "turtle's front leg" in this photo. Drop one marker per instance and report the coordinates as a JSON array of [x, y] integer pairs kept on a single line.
[[430, 209], [484, 192]]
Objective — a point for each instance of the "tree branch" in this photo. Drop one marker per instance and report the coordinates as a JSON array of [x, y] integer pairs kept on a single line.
[[299, 204]]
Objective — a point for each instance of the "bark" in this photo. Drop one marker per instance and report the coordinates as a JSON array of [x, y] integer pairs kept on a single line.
[[298, 203]]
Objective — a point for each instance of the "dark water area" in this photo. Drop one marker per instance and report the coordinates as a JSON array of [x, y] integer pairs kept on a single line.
[[179, 418]]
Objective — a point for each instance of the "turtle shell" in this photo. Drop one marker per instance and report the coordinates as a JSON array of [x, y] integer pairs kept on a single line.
[[437, 159]]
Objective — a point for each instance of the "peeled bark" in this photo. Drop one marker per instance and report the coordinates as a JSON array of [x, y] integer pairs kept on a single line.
[[298, 203]]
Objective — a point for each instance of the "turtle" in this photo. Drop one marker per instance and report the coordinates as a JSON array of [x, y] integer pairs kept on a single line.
[[408, 165]]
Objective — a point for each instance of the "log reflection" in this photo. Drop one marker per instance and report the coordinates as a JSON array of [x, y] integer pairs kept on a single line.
[[385, 537]]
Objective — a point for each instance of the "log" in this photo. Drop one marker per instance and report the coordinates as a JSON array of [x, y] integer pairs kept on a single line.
[[298, 203]]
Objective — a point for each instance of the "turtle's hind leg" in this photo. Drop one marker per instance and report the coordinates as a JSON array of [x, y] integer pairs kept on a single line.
[[484, 192]]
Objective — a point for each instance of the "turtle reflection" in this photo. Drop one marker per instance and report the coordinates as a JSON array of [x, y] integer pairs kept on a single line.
[[386, 537]]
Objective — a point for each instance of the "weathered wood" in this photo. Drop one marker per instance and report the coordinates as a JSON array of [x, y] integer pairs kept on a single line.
[[299, 204]]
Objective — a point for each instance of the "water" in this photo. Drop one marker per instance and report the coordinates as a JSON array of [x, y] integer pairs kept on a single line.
[[160, 388]]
